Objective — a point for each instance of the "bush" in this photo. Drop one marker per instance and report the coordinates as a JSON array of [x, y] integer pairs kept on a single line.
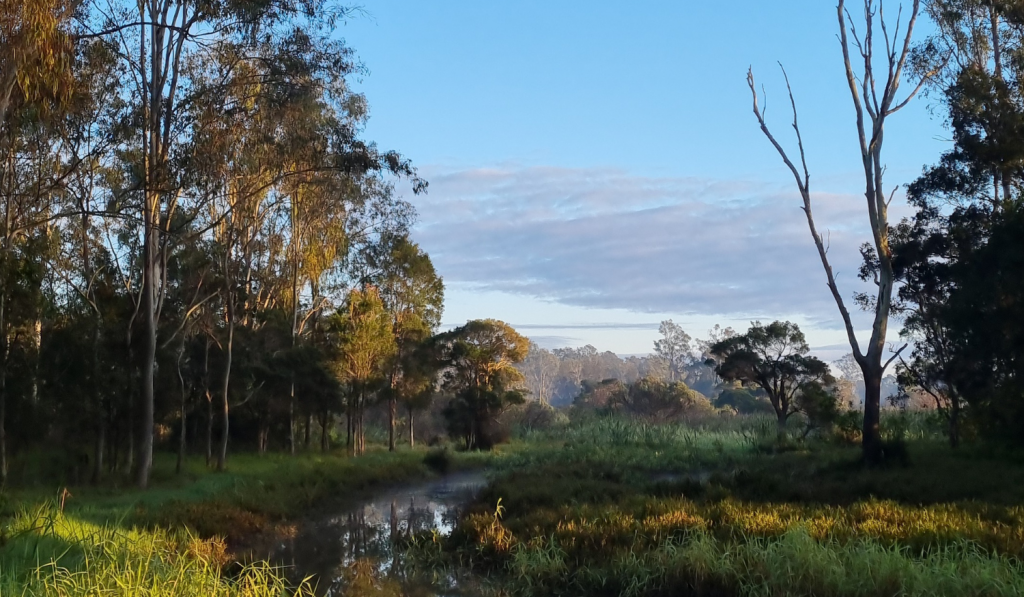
[[535, 416], [438, 460]]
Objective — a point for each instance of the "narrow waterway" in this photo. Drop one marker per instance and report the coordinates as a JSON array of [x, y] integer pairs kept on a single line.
[[360, 552]]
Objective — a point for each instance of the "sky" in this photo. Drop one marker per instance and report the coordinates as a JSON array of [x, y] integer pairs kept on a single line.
[[595, 167]]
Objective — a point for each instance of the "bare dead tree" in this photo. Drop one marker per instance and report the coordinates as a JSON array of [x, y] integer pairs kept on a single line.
[[872, 108]]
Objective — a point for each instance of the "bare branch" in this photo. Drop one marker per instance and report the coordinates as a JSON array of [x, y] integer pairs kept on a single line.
[[894, 356], [892, 196], [764, 128], [803, 184]]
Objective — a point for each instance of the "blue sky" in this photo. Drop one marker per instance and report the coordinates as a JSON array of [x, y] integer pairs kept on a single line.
[[595, 167]]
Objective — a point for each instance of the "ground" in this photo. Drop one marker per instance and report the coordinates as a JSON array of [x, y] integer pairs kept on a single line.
[[598, 507]]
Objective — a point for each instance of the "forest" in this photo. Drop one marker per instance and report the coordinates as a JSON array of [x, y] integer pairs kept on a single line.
[[224, 368]]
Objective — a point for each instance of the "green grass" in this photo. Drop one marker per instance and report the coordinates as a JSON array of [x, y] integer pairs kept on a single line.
[[621, 508], [181, 535], [46, 552], [602, 507]]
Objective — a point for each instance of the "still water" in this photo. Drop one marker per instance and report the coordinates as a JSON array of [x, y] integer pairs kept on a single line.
[[361, 551]]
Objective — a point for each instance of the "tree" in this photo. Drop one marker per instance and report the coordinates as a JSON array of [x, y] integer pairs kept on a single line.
[[872, 108], [950, 281], [539, 369], [479, 372], [659, 401], [364, 342], [772, 357], [35, 51], [414, 295], [675, 348]]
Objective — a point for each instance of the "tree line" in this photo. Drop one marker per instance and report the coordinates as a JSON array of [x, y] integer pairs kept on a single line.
[[952, 273], [198, 244]]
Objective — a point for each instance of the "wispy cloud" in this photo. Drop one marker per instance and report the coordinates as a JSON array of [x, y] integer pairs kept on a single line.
[[587, 326], [604, 238]]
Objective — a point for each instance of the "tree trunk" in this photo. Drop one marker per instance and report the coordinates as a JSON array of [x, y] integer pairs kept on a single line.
[[324, 438], [222, 454], [360, 443], [362, 432], [99, 449], [392, 415], [261, 437], [306, 437], [291, 422], [871, 439], [350, 421], [3, 389], [954, 421], [129, 464], [97, 400], [184, 420], [145, 455], [412, 426], [209, 403]]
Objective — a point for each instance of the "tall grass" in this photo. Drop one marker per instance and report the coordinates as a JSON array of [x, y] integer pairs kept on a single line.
[[586, 509], [655, 546], [46, 552]]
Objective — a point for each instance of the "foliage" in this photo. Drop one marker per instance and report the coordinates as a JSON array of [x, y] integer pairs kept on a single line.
[[613, 513], [648, 399], [478, 370], [743, 401], [51, 553], [774, 358]]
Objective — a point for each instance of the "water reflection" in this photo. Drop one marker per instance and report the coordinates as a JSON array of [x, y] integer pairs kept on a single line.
[[360, 552]]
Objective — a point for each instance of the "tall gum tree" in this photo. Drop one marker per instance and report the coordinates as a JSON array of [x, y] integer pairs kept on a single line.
[[156, 40], [876, 96]]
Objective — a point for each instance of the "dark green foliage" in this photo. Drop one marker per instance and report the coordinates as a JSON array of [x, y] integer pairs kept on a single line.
[[774, 358], [438, 460], [649, 399], [477, 363], [744, 401]]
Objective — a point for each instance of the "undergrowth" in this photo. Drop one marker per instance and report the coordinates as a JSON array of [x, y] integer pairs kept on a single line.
[[46, 552], [625, 508]]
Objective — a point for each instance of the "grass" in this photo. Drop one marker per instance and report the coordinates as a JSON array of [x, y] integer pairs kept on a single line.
[[620, 508], [46, 552], [186, 534], [601, 507]]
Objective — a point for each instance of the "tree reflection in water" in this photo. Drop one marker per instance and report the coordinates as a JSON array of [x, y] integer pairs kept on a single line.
[[360, 553]]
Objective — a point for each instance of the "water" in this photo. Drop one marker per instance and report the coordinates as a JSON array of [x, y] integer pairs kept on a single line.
[[360, 552]]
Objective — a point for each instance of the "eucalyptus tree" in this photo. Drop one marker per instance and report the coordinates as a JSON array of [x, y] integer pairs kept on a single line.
[[32, 170], [964, 202], [413, 294], [157, 40], [539, 369], [364, 342], [774, 358], [479, 370], [674, 346], [876, 95]]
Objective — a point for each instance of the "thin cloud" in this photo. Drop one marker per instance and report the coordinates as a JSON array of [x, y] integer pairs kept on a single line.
[[605, 239], [587, 326]]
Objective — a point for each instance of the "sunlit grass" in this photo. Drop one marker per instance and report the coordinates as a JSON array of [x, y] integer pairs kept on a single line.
[[46, 552], [180, 536], [624, 508]]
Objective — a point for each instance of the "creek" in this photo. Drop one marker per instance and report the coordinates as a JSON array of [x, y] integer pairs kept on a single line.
[[362, 550]]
